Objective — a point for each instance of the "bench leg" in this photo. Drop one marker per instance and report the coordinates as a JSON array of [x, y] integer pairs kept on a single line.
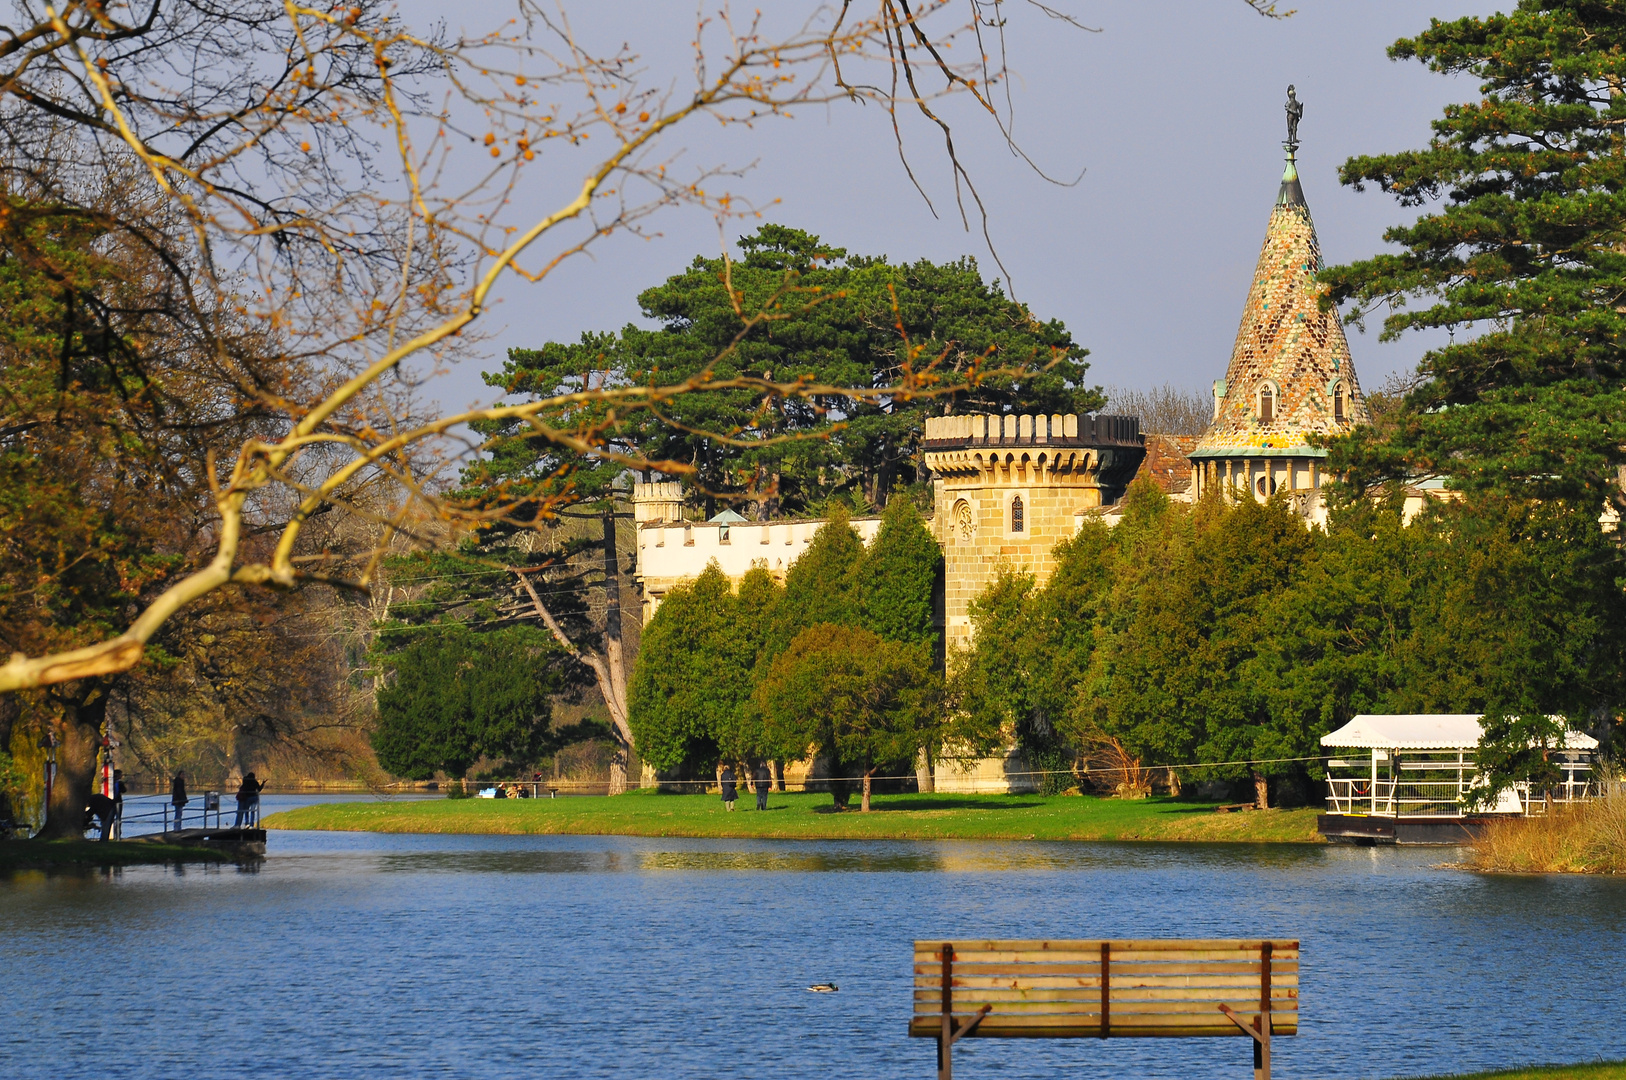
[[1260, 1030]]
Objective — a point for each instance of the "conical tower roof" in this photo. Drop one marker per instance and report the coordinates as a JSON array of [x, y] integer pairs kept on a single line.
[[1290, 373]]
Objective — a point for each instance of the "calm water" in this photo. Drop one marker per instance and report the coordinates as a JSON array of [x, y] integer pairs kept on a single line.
[[403, 956]]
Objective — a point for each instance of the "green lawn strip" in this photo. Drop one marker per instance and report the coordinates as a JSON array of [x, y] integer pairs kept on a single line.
[[795, 816], [48, 854], [1602, 1070]]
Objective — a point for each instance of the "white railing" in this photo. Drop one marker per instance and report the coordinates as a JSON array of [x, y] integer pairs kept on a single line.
[[1442, 798]]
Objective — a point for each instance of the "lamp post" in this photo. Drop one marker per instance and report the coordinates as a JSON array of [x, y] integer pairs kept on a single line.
[[109, 744]]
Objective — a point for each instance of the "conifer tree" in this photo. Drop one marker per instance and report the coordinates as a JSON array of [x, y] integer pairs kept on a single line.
[[1520, 256], [858, 701], [899, 577], [457, 695], [824, 585], [693, 674]]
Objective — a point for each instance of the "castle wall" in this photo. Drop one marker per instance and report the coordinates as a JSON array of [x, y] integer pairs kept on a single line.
[[672, 551]]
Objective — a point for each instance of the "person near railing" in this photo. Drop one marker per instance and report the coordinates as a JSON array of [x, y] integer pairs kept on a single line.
[[118, 804], [248, 801], [177, 797], [100, 810]]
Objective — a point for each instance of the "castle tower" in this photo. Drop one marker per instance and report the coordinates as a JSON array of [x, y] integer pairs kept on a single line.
[[1008, 489], [1290, 374], [656, 502]]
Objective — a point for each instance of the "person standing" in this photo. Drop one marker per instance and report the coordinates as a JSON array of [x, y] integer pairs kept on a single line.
[[248, 801], [118, 804], [177, 797], [730, 792], [764, 780]]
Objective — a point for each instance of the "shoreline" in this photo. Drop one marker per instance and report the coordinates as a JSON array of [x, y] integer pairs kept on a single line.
[[799, 816], [1597, 1070], [94, 854]]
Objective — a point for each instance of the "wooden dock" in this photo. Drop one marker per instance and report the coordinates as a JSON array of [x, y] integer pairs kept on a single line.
[[239, 843]]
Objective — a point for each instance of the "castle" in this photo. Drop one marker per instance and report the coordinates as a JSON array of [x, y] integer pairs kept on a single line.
[[1007, 489], [1290, 375]]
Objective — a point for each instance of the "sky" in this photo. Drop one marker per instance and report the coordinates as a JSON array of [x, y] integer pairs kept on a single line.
[[1173, 112]]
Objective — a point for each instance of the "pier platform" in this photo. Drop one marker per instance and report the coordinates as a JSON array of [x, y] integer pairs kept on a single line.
[[1378, 829], [240, 843]]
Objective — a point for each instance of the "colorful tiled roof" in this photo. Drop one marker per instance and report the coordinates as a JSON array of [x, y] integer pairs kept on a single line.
[[1286, 344]]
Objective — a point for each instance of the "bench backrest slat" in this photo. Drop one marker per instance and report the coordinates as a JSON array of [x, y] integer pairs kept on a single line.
[[1062, 989]]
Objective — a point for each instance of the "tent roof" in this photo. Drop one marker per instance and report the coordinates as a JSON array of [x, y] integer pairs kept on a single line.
[[1423, 731], [726, 516]]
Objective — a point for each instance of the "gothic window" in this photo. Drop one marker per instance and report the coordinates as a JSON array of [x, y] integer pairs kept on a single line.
[[1338, 403], [1016, 514], [1267, 403], [965, 523]]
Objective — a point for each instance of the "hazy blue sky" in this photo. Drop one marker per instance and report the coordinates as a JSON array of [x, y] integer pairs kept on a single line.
[[1174, 111]]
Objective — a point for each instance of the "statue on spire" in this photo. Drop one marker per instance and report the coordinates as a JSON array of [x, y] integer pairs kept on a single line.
[[1295, 110]]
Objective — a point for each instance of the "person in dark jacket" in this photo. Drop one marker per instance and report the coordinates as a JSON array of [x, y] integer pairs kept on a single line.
[[99, 809], [119, 788], [764, 781], [248, 801], [177, 797], [730, 792]]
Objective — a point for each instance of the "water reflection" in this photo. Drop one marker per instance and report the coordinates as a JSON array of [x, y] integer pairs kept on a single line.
[[877, 857]]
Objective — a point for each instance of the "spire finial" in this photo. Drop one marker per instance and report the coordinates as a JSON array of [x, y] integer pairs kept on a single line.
[[1295, 110]]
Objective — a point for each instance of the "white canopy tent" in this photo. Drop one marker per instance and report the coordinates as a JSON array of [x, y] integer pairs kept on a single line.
[[1429, 762], [1423, 731]]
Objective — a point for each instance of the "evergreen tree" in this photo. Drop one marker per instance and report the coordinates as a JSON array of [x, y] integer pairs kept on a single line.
[[692, 678], [1145, 677], [1522, 260], [833, 322], [456, 696], [824, 585], [899, 578], [858, 701]]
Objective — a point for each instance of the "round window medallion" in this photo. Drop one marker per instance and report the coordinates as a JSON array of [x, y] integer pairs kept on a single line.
[[964, 523]]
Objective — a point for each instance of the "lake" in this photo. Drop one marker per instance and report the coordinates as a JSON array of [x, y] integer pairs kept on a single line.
[[357, 955]]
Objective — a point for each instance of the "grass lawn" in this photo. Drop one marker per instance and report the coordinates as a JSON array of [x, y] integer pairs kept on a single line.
[[795, 816], [1603, 1070], [48, 854]]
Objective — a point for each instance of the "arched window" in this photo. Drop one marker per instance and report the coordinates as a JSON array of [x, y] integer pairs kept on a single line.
[[1338, 403], [1267, 403], [1016, 514], [1265, 486]]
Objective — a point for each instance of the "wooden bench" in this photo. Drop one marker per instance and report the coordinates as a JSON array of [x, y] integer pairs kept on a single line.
[[1105, 990]]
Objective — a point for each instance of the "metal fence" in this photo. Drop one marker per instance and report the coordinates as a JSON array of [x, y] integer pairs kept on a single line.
[[1442, 798], [142, 815]]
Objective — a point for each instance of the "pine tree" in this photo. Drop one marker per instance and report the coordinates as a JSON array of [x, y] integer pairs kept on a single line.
[[1522, 260]]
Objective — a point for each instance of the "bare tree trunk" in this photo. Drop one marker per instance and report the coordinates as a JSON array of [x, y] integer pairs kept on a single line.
[[779, 775], [609, 670], [1174, 784], [1261, 791], [76, 762], [615, 658], [863, 806], [925, 782]]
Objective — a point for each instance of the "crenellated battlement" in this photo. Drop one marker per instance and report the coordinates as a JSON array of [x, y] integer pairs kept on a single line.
[[1053, 429]]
